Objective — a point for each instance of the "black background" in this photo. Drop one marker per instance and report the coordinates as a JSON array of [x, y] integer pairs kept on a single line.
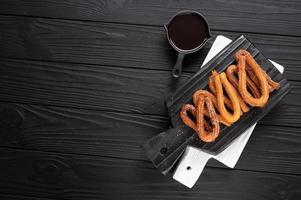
[[83, 84]]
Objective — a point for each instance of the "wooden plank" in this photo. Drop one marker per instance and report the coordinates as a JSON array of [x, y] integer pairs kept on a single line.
[[20, 197], [64, 176], [86, 86], [99, 87], [120, 135], [128, 46], [273, 17], [77, 130]]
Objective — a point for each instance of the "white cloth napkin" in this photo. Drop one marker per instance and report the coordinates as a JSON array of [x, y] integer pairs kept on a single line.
[[194, 160]]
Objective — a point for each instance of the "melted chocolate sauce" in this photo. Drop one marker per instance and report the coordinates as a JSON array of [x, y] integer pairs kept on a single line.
[[187, 31]]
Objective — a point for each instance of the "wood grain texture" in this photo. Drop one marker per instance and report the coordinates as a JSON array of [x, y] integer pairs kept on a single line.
[[20, 197], [86, 86], [120, 135], [100, 87], [274, 17], [89, 89], [64, 176], [128, 46]]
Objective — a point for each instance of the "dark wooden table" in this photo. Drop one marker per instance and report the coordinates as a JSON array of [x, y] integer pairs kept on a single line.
[[83, 84]]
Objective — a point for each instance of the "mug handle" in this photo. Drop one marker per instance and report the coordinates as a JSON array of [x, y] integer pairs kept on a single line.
[[177, 69]]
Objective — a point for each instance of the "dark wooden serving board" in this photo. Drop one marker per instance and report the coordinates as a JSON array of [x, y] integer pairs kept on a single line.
[[164, 150]]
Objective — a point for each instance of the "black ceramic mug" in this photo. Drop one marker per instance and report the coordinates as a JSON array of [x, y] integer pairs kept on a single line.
[[187, 32]]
